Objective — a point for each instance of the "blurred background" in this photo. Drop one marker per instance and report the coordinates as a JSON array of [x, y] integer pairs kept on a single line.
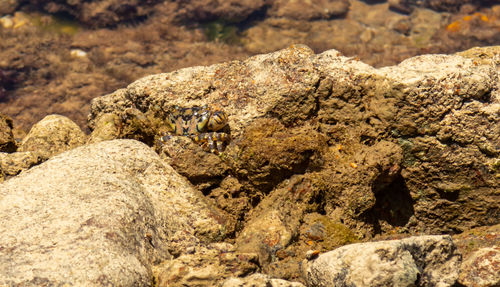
[[55, 56]]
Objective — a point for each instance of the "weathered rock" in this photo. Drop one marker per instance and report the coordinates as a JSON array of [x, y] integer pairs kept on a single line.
[[309, 10], [446, 126], [414, 261], [99, 13], [97, 215], [422, 105], [259, 280], [52, 135], [205, 266], [482, 268], [480, 251], [7, 141], [268, 153], [13, 163], [108, 129], [438, 5], [208, 10], [202, 168]]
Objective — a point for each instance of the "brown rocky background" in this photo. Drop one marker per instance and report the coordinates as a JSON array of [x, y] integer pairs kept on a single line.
[[344, 168], [57, 55]]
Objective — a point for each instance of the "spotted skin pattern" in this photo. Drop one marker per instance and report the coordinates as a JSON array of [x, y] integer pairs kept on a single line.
[[201, 124]]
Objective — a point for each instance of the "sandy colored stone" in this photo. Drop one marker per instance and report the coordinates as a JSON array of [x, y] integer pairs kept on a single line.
[[52, 135], [99, 214], [205, 266], [259, 280], [13, 163], [414, 261], [482, 268]]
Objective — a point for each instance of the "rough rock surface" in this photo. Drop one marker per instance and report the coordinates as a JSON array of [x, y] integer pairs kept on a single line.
[[7, 142], [13, 163], [398, 138], [205, 266], [52, 135], [439, 5], [259, 280], [309, 10], [97, 215], [479, 249], [482, 268], [414, 261]]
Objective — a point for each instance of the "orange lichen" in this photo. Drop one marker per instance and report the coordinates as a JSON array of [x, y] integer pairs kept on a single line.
[[453, 26]]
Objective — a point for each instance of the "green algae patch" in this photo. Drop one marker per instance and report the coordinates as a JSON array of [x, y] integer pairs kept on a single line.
[[221, 32], [55, 24]]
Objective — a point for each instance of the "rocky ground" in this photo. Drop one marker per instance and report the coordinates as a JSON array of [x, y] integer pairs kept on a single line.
[[337, 174], [55, 56]]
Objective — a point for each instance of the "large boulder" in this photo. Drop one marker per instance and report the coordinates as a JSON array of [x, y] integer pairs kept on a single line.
[[414, 261], [100, 214], [412, 145]]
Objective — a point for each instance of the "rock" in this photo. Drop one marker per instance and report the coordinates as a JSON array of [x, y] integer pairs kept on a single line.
[[482, 268], [480, 251], [97, 215], [202, 168], [385, 150], [414, 261], [309, 10], [407, 6], [231, 11], [52, 135], [99, 13], [268, 152], [13, 163], [8, 6], [7, 141], [206, 266], [259, 280], [108, 129], [461, 93]]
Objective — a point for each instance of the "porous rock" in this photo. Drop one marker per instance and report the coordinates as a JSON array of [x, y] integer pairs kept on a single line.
[[259, 280], [13, 163], [205, 266], [480, 251], [414, 261], [100, 214], [482, 268], [52, 135], [426, 105]]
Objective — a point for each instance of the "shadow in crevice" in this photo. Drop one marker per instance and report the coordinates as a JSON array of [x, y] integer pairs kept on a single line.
[[393, 205]]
